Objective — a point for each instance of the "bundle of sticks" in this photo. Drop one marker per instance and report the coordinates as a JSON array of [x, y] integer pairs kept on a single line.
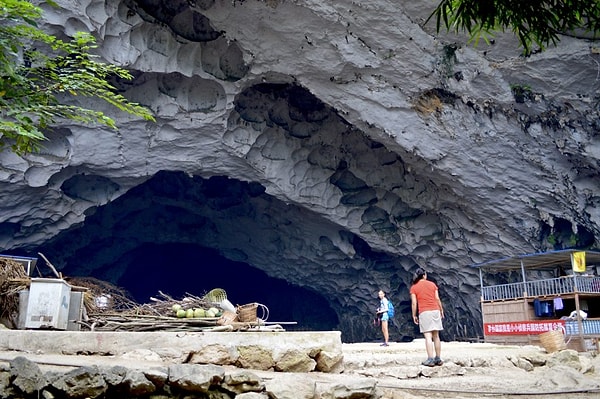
[[158, 314]]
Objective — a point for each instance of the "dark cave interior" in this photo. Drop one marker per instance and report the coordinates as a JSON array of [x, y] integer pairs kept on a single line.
[[154, 268], [166, 268], [153, 239]]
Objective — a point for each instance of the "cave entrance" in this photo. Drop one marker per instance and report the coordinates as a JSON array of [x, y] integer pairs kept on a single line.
[[181, 234], [177, 269]]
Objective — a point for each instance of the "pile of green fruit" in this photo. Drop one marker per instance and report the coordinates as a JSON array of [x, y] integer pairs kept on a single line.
[[195, 313]]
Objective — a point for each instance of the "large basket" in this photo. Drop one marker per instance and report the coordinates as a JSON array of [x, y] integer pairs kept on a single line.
[[248, 313], [553, 341]]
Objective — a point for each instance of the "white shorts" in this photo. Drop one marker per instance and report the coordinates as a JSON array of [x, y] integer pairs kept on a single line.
[[430, 320]]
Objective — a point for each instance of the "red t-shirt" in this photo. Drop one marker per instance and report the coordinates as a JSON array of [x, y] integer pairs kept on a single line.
[[425, 291]]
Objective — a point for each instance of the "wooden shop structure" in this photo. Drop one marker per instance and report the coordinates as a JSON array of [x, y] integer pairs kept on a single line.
[[525, 296]]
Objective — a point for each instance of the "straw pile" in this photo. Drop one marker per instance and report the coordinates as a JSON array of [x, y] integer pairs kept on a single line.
[[110, 308], [101, 296], [12, 280]]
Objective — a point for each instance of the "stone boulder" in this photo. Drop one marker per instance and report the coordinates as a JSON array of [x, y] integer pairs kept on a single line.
[[82, 382], [26, 376]]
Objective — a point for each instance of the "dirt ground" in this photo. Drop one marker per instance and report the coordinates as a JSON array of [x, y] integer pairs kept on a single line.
[[476, 370]]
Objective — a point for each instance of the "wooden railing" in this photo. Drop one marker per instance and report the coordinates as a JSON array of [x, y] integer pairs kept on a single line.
[[590, 327], [546, 287]]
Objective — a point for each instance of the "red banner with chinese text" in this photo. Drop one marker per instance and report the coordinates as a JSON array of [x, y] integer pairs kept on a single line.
[[522, 327]]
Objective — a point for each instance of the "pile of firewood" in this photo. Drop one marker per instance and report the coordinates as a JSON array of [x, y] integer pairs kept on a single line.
[[13, 279], [119, 313], [110, 308]]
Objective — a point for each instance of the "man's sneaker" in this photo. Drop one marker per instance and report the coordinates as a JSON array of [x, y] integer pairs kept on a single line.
[[384, 344], [437, 361], [430, 362]]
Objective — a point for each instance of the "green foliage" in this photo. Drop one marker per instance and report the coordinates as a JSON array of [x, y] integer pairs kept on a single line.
[[448, 60], [534, 22], [521, 92], [37, 69], [572, 242]]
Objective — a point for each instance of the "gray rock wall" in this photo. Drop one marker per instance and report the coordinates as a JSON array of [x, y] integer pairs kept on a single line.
[[372, 146]]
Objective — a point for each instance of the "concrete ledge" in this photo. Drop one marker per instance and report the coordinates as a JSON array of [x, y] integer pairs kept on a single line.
[[278, 351]]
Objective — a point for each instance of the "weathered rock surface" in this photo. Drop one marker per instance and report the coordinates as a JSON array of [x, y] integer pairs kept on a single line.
[[474, 370], [182, 380], [335, 146], [26, 376], [281, 351], [371, 371], [115, 382]]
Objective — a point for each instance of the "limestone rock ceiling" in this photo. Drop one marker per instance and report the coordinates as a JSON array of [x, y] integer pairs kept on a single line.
[[307, 154]]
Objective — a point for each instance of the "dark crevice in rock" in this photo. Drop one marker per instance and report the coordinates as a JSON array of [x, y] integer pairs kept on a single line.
[[93, 188], [561, 235], [9, 229], [181, 18]]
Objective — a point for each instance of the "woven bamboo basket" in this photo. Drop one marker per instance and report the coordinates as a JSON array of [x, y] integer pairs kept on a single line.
[[216, 295], [553, 341], [248, 313]]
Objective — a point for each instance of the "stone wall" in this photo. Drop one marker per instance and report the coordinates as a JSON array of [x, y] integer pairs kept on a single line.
[[278, 351], [26, 379]]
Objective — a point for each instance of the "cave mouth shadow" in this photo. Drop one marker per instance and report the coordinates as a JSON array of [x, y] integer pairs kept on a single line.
[[177, 269], [173, 234]]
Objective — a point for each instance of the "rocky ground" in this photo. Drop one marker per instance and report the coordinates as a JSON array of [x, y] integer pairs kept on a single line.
[[475, 370], [471, 370]]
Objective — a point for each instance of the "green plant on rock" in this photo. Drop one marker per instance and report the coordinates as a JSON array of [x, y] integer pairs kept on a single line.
[[539, 22], [390, 54], [572, 242], [38, 69], [448, 60], [521, 92]]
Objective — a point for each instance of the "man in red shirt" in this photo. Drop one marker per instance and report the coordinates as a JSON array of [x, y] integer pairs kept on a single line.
[[424, 296]]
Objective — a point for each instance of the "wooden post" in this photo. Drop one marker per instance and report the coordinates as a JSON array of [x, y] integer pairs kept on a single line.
[[577, 311]]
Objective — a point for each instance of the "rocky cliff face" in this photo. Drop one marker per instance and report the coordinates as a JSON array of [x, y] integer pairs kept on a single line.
[[309, 153]]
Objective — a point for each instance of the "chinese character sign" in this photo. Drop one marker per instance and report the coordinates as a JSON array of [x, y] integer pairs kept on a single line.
[[522, 327]]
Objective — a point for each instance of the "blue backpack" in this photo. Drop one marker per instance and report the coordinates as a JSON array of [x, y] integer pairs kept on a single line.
[[390, 309]]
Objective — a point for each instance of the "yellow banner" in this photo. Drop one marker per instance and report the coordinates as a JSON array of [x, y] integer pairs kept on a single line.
[[578, 261]]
